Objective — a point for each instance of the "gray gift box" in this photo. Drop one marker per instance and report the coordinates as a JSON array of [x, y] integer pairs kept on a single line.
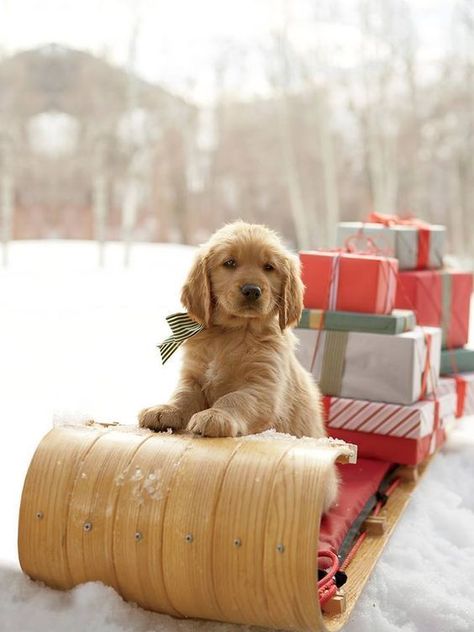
[[374, 367], [397, 241]]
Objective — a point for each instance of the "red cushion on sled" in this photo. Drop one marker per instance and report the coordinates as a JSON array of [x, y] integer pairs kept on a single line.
[[358, 483]]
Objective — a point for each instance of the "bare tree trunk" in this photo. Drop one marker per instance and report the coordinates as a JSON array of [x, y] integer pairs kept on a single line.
[[100, 201], [331, 193], [295, 193], [129, 215], [6, 212], [380, 142], [130, 201]]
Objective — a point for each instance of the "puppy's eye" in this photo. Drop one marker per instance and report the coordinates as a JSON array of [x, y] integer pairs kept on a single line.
[[268, 267], [230, 263]]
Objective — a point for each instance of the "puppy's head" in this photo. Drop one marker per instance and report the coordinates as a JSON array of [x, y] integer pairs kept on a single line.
[[243, 272]]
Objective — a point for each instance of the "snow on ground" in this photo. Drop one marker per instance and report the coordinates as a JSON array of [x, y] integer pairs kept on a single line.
[[76, 340]]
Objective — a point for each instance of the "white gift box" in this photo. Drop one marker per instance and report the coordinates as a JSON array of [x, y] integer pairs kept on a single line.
[[463, 386], [468, 379], [446, 393], [397, 241], [469, 402], [374, 367]]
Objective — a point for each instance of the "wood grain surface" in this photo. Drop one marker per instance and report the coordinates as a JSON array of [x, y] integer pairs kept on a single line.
[[223, 529]]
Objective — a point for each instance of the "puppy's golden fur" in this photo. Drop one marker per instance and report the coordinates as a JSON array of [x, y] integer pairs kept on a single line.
[[240, 374]]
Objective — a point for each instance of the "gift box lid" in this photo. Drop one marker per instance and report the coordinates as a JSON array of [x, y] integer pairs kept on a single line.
[[399, 321]]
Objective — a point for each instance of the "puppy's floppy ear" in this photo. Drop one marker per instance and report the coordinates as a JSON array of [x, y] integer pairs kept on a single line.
[[196, 293], [291, 300]]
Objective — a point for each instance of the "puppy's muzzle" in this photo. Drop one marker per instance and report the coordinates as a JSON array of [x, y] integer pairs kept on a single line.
[[251, 292]]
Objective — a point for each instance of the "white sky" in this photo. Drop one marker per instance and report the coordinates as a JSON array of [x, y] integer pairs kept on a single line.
[[180, 40]]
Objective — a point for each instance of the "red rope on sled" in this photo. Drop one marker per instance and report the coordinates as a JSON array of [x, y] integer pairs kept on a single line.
[[326, 586]]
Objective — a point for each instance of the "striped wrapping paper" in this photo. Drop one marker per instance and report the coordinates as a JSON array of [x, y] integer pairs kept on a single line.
[[411, 422], [400, 434]]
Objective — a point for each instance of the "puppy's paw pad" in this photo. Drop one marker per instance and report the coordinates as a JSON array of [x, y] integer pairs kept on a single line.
[[161, 417], [214, 423]]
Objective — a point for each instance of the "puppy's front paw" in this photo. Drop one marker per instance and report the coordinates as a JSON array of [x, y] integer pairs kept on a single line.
[[161, 418], [215, 423]]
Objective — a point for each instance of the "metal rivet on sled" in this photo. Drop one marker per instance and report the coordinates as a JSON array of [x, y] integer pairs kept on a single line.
[[138, 536], [87, 526], [280, 548], [40, 515], [237, 542], [189, 537]]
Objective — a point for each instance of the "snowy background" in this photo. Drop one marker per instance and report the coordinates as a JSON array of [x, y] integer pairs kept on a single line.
[[80, 341]]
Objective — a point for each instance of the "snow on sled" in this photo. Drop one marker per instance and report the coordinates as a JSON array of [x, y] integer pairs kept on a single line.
[[222, 529]]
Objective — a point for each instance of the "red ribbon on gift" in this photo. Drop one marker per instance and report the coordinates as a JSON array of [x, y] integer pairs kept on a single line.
[[437, 419], [461, 389], [326, 407], [424, 233], [371, 251], [427, 368]]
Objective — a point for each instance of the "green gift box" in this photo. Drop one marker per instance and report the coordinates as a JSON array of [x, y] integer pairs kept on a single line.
[[457, 360], [399, 321]]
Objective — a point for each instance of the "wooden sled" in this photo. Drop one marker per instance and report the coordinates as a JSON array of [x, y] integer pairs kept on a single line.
[[221, 529]]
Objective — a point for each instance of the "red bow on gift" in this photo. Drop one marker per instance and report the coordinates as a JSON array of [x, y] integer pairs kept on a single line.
[[424, 233]]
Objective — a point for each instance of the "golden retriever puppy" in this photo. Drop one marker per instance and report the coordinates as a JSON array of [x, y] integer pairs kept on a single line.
[[240, 375]]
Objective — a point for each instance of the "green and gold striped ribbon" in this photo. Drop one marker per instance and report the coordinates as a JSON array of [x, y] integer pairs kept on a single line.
[[183, 327], [312, 319], [332, 367]]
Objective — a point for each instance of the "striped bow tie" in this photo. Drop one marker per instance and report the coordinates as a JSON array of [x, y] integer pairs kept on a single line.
[[183, 327]]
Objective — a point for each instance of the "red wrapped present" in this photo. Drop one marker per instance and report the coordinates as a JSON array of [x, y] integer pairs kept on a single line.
[[401, 434], [395, 449], [439, 299], [349, 282]]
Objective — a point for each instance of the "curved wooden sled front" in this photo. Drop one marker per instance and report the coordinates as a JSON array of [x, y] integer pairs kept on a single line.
[[223, 529]]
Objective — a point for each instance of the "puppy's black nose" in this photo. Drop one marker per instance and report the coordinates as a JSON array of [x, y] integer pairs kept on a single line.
[[252, 292]]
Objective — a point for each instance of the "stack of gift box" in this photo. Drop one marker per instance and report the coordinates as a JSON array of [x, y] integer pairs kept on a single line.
[[438, 296], [372, 333]]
